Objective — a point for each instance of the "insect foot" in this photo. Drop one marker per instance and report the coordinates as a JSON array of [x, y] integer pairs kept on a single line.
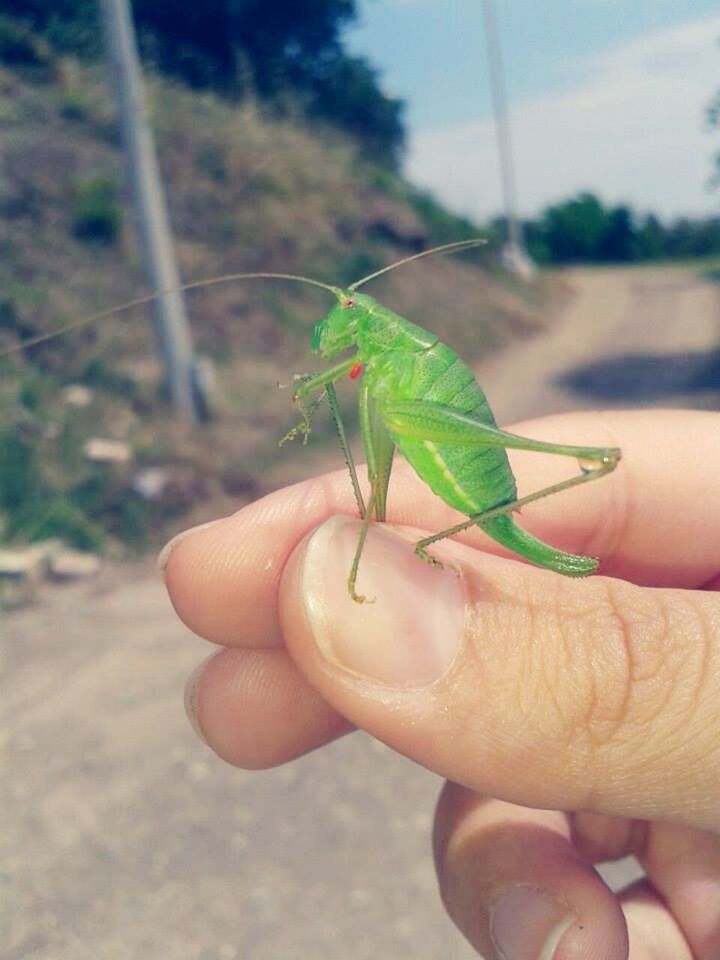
[[428, 557], [307, 412], [303, 428], [358, 597], [606, 461]]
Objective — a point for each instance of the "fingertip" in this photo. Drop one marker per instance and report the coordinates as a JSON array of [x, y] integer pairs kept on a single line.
[[514, 884], [255, 710], [170, 547], [221, 578]]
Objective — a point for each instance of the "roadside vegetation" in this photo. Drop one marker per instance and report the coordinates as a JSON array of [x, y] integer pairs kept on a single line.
[[279, 152], [247, 190], [583, 229]]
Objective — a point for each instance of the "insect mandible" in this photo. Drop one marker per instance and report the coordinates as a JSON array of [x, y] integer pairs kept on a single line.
[[418, 397]]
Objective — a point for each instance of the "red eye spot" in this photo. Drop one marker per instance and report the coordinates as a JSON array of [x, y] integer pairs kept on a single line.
[[349, 303], [355, 371]]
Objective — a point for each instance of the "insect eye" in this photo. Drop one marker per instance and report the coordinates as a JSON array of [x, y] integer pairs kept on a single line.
[[348, 304]]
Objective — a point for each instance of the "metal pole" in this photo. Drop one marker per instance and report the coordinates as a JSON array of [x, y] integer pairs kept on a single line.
[[514, 254], [170, 320]]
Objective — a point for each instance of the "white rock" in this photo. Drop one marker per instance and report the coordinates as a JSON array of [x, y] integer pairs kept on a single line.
[[98, 450], [74, 565], [77, 395], [28, 563], [20, 565], [150, 483]]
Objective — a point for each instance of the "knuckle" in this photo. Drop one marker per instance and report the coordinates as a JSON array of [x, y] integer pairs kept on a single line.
[[590, 681], [635, 665]]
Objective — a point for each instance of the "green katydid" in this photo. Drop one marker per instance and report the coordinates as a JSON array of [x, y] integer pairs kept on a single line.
[[417, 396]]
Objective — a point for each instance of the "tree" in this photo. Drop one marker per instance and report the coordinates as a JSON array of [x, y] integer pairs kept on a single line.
[[714, 121], [573, 230], [267, 47], [651, 238], [618, 243]]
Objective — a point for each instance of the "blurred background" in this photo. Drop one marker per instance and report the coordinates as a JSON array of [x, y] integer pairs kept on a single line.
[[326, 138]]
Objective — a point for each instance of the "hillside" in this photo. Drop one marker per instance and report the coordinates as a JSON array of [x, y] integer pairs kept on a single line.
[[246, 193]]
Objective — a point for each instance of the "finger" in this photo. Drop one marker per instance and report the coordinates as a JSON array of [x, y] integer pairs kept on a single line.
[[255, 709], [514, 884], [684, 867], [681, 864], [653, 932], [651, 520], [578, 695], [223, 577]]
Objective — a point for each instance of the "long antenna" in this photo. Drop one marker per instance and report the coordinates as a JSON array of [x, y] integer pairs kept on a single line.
[[444, 248], [148, 298], [229, 278]]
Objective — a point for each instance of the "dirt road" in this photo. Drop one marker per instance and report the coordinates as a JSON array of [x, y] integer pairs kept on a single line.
[[628, 337], [124, 838]]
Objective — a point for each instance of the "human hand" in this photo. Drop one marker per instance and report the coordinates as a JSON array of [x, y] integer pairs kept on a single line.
[[576, 721]]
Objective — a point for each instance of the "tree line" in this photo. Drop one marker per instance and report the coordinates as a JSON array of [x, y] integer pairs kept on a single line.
[[583, 229], [290, 53]]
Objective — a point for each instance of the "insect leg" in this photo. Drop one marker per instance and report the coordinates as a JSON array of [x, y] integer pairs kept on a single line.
[[309, 384], [306, 387], [345, 447], [332, 375], [307, 412], [352, 578], [433, 422], [379, 448], [427, 420], [588, 474]]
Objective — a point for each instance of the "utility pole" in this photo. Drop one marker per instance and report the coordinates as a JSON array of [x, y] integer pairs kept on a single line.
[[170, 320], [514, 254]]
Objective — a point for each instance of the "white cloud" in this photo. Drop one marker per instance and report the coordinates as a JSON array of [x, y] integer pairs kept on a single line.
[[634, 130]]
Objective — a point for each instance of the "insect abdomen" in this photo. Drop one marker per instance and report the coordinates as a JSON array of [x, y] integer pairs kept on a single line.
[[469, 479], [504, 530]]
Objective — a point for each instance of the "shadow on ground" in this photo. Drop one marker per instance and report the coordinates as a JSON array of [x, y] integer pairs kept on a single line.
[[646, 376]]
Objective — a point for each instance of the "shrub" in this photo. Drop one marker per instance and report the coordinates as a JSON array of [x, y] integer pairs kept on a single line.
[[19, 46], [97, 215], [74, 106]]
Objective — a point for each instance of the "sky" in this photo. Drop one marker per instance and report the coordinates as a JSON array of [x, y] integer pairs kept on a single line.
[[604, 95]]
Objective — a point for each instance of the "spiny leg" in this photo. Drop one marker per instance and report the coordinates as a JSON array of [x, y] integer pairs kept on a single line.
[[345, 447], [352, 578], [309, 384], [307, 412], [429, 420], [434, 422], [601, 467]]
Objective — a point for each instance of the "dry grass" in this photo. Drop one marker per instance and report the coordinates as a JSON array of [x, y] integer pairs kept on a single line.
[[246, 192]]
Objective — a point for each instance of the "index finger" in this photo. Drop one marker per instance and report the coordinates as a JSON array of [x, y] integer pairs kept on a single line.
[[651, 521]]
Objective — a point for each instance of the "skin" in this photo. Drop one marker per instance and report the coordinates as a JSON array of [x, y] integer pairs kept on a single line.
[[574, 721]]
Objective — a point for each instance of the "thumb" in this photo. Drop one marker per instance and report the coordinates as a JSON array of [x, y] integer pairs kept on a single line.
[[577, 695]]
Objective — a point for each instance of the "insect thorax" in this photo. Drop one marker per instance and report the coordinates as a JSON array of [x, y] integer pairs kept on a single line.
[[360, 320], [380, 329]]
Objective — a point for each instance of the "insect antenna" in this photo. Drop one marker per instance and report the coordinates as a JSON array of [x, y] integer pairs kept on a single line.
[[148, 298], [443, 248]]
